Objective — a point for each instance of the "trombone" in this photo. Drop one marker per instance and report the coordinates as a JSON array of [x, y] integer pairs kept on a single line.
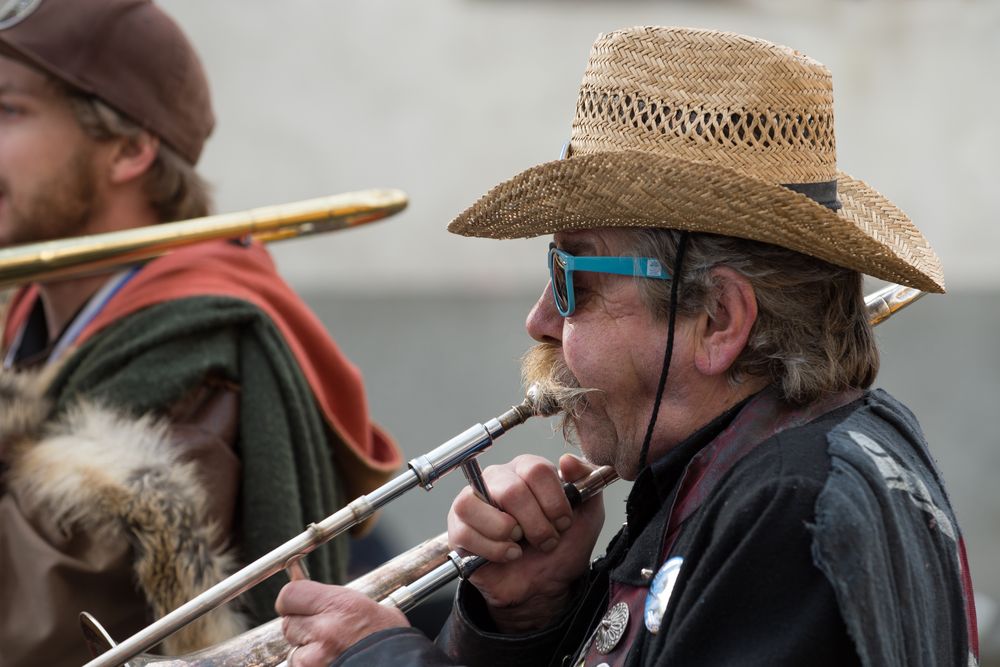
[[82, 255], [427, 567]]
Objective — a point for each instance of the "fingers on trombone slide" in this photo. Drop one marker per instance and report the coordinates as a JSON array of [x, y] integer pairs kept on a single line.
[[474, 474], [535, 509]]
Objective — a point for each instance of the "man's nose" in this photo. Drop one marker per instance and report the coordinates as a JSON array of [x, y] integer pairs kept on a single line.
[[544, 322]]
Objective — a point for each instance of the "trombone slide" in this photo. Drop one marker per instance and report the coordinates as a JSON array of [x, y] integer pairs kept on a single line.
[[423, 471]]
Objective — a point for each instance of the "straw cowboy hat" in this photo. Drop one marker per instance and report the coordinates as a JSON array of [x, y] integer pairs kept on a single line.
[[715, 132]]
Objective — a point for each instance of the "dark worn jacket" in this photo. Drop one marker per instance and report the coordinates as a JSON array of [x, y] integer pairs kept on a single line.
[[828, 542]]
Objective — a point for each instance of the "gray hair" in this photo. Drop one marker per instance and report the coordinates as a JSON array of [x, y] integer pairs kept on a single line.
[[173, 187], [811, 337]]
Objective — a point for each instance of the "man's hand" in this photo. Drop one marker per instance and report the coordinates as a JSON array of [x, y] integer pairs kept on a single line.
[[539, 547], [322, 621]]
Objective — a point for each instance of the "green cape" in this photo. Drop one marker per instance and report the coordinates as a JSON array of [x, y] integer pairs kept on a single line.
[[149, 360]]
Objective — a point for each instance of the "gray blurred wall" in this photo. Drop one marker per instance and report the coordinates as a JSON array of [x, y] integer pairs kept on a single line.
[[445, 98]]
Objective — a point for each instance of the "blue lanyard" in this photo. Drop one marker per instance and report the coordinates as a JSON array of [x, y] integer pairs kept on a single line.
[[93, 308]]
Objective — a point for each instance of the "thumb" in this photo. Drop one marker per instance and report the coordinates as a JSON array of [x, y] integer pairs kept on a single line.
[[572, 468]]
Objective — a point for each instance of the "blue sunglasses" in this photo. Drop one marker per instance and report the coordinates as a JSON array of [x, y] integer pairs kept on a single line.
[[562, 265]]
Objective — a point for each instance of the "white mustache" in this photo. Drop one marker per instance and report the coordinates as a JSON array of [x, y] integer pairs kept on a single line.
[[558, 389]]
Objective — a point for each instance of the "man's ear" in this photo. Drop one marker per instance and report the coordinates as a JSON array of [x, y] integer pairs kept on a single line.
[[132, 157], [722, 336]]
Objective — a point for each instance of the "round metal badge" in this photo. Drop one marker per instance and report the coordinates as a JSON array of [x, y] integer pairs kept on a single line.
[[659, 593], [611, 629], [13, 12]]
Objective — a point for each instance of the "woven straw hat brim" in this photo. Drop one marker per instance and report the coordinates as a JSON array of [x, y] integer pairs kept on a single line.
[[638, 189]]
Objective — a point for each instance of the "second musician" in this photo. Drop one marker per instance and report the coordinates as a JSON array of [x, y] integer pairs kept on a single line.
[[104, 110]]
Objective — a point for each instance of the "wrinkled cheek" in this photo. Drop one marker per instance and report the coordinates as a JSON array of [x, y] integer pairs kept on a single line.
[[579, 357]]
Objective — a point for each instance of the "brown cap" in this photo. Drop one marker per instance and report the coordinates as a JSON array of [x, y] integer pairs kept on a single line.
[[128, 53]]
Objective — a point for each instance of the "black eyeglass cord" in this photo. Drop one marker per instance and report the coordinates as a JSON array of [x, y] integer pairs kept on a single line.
[[668, 353]]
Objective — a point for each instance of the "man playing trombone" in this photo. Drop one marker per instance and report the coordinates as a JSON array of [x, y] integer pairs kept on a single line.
[[704, 333], [191, 412]]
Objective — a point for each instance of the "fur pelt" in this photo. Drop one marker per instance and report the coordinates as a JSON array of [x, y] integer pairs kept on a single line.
[[92, 469]]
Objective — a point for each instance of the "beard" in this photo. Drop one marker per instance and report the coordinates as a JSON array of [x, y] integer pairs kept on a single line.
[[57, 207], [557, 390]]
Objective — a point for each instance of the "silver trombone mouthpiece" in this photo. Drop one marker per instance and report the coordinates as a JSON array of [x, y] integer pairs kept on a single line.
[[544, 403]]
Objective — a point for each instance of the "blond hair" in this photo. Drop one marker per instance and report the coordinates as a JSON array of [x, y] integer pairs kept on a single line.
[[173, 187]]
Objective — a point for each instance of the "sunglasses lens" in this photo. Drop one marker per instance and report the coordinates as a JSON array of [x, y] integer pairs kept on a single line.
[[559, 289]]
